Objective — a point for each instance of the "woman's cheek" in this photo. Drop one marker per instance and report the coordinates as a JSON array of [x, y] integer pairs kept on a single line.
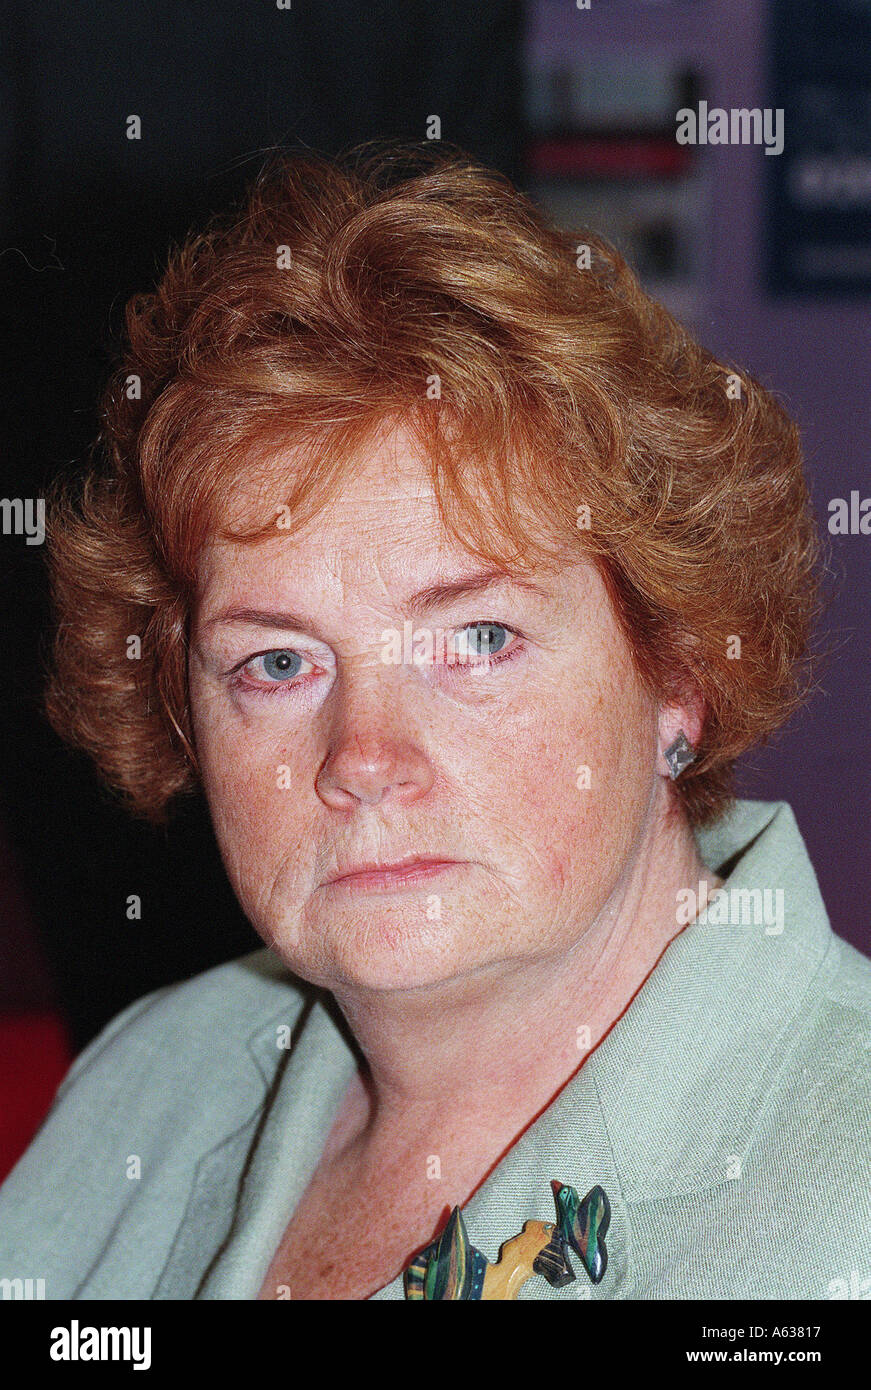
[[237, 756]]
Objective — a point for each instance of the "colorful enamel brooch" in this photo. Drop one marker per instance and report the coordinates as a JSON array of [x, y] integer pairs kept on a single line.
[[452, 1268]]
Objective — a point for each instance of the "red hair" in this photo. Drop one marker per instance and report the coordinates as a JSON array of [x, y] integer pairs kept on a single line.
[[425, 289]]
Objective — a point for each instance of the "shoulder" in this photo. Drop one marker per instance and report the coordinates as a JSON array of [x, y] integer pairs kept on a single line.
[[826, 1059], [176, 1075], [831, 1066], [833, 1052], [182, 1056], [812, 1145], [209, 1017], [790, 1214], [850, 986]]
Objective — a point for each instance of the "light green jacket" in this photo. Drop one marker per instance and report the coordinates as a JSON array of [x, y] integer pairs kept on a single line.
[[727, 1115]]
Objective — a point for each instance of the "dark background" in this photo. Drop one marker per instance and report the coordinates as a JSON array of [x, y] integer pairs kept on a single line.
[[88, 215], [87, 218]]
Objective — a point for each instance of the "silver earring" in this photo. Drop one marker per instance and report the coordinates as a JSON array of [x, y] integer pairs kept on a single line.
[[679, 755]]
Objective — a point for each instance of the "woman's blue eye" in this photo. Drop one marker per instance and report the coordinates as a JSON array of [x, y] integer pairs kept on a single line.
[[486, 640], [281, 666]]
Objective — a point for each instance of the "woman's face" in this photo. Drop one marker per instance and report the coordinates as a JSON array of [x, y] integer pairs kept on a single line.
[[324, 748]]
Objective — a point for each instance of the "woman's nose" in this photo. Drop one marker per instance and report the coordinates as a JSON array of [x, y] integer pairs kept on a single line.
[[373, 757]]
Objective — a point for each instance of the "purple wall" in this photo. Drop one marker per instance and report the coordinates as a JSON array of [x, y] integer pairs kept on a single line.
[[815, 355]]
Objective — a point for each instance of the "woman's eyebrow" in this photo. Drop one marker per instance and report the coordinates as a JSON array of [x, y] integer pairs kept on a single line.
[[262, 617], [431, 596]]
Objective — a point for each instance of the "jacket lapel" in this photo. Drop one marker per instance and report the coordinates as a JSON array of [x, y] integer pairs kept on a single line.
[[262, 1172]]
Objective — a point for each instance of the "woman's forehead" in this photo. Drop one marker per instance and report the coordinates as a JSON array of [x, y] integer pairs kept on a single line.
[[385, 467], [428, 562], [383, 495]]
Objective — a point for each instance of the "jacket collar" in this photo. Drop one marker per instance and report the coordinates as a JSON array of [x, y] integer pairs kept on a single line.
[[258, 1177], [246, 1185], [684, 1072]]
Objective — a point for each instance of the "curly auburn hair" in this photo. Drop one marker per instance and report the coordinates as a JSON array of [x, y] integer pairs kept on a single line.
[[327, 303]]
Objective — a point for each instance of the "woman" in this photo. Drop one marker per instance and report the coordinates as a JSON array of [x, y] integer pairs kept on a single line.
[[457, 576]]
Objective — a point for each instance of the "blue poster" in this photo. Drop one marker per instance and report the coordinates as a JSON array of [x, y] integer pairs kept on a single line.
[[819, 189]]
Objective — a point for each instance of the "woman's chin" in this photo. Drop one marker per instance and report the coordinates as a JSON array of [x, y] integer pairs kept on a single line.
[[384, 952]]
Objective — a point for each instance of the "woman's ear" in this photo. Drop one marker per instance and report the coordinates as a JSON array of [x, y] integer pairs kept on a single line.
[[685, 715]]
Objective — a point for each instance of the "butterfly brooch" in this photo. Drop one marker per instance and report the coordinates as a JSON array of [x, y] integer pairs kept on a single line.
[[452, 1268]]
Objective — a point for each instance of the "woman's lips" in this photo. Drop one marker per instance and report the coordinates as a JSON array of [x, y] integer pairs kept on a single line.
[[392, 875]]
